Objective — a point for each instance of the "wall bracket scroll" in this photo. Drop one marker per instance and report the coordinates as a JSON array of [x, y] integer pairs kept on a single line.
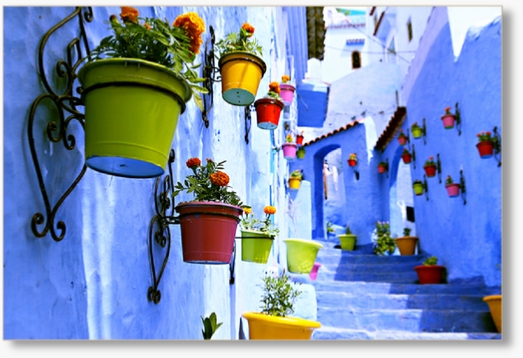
[[211, 75]]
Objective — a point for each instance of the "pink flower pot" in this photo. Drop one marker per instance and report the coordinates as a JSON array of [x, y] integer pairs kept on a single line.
[[287, 93], [452, 189], [314, 271], [289, 150], [448, 121]]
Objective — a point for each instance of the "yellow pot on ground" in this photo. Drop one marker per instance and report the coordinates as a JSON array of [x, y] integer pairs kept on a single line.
[[262, 326]]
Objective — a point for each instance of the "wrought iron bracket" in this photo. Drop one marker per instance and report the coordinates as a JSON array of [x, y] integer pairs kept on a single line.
[[413, 156], [66, 104], [356, 171], [457, 118], [438, 167], [163, 201], [248, 121], [497, 146], [425, 186], [424, 131], [463, 191], [211, 73], [232, 264]]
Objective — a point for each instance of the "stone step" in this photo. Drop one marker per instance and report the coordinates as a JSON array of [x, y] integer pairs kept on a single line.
[[409, 320], [392, 277], [398, 301], [335, 333], [351, 267], [340, 258]]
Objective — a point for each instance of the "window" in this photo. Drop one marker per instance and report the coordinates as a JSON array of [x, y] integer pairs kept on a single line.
[[409, 30], [356, 59]]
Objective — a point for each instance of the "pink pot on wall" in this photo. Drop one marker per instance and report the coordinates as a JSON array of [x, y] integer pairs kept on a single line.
[[287, 93], [452, 189], [289, 150], [448, 121]]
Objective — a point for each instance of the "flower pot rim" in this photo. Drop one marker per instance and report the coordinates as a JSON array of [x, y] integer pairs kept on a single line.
[[346, 235], [448, 115], [304, 241], [451, 184], [406, 238], [266, 100], [424, 267], [289, 145], [206, 204], [287, 320], [258, 60], [492, 297], [257, 232], [287, 86], [485, 142], [429, 165]]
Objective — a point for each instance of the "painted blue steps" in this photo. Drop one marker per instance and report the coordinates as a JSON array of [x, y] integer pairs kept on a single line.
[[362, 296]]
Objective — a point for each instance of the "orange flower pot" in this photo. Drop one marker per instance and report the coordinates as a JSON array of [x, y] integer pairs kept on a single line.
[[495, 305], [407, 245]]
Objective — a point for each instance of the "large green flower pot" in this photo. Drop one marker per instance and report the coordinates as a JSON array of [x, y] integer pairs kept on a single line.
[[347, 242], [131, 112], [301, 255], [256, 246]]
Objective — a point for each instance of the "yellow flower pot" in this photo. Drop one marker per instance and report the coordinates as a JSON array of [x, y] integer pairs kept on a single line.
[[294, 183], [241, 75], [301, 255], [262, 326], [495, 305]]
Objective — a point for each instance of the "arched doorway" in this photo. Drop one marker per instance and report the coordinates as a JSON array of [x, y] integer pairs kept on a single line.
[[401, 199]]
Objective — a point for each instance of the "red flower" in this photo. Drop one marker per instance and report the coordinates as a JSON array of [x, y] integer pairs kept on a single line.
[[193, 162], [129, 14], [274, 87], [219, 178], [248, 28]]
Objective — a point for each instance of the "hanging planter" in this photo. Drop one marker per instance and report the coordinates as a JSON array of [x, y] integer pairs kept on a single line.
[[257, 235], [495, 304], [430, 167], [402, 138], [416, 130], [452, 188], [268, 112], [430, 272], [406, 156], [299, 139], [241, 68], [301, 255], [300, 153], [295, 179], [130, 141], [417, 185], [382, 167], [289, 148], [287, 93], [353, 160], [448, 119], [486, 145]]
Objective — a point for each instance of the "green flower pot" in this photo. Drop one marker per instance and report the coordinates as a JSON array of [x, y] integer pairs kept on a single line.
[[256, 246], [301, 255], [347, 242], [418, 188], [131, 112], [416, 132]]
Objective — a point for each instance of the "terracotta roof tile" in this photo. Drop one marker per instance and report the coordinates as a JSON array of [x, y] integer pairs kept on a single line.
[[392, 127], [338, 130]]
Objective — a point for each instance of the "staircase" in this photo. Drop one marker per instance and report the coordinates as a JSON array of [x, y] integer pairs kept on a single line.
[[362, 296]]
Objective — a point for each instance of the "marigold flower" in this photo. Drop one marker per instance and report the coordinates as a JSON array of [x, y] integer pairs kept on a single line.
[[209, 160], [147, 26], [247, 210], [269, 210], [447, 109], [193, 26], [285, 78], [274, 87], [219, 178], [193, 162], [129, 14], [248, 28]]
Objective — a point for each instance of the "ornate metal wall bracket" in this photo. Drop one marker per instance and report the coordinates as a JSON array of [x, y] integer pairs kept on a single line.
[[211, 75], [232, 264], [248, 121], [56, 131], [463, 191], [163, 201], [424, 131], [414, 156], [457, 118], [497, 145], [438, 167], [356, 171], [425, 186]]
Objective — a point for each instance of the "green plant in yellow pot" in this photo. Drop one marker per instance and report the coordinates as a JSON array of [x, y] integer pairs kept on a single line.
[[146, 62]]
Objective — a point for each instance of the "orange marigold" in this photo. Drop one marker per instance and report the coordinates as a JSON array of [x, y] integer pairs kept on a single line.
[[129, 14], [274, 87], [219, 178], [147, 26], [269, 210], [194, 27], [248, 28], [285, 78], [193, 162]]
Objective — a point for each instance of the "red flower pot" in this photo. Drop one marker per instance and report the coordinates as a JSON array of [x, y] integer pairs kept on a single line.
[[452, 189], [407, 158], [299, 139], [402, 140], [429, 274], [448, 121], [430, 170], [268, 112], [381, 169], [352, 163], [208, 230], [485, 148]]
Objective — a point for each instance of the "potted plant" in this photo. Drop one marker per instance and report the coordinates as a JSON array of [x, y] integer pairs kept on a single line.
[[295, 179], [274, 321], [416, 130], [382, 167], [257, 235], [241, 66], [384, 244], [430, 167], [402, 138], [448, 119], [406, 244], [406, 156], [452, 188], [486, 144], [301, 254], [353, 160], [208, 223], [148, 63], [300, 153], [430, 272], [210, 326], [299, 139], [289, 147], [417, 185], [287, 90], [495, 304], [347, 240], [268, 108]]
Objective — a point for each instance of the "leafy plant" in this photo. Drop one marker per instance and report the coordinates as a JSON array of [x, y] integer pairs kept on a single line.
[[289, 138], [401, 134], [430, 162], [239, 41], [274, 91], [348, 230], [486, 137], [208, 183], [415, 125], [431, 261], [384, 243], [449, 180], [405, 151], [406, 231], [151, 39], [210, 325], [278, 296], [297, 174], [249, 222], [353, 156], [447, 111], [330, 228]]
